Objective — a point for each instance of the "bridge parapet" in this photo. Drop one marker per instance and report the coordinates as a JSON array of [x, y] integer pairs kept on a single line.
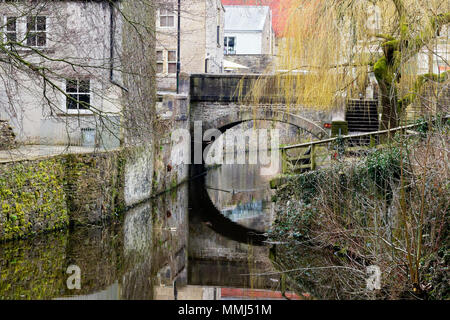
[[216, 101], [231, 87]]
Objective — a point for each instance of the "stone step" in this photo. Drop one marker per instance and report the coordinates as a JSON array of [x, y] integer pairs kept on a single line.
[[359, 113], [362, 116], [362, 120]]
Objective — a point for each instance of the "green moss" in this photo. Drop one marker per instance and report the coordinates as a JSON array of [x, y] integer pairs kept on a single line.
[[381, 71], [19, 262], [32, 194], [391, 44], [46, 195], [90, 177]]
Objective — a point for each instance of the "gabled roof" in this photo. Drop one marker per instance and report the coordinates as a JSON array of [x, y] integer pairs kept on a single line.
[[279, 8], [245, 18]]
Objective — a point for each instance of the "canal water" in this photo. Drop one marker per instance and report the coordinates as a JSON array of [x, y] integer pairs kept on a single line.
[[161, 250], [172, 247]]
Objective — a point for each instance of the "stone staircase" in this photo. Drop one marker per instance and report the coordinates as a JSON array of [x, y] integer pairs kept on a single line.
[[362, 116]]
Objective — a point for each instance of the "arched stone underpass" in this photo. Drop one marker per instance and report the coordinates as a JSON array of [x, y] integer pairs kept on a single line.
[[202, 205], [214, 104], [200, 201], [245, 114]]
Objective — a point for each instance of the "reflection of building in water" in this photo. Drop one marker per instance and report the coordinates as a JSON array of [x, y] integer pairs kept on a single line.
[[117, 261]]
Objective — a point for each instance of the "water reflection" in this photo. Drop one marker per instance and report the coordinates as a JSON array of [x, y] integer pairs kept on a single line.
[[242, 194], [147, 256], [117, 260]]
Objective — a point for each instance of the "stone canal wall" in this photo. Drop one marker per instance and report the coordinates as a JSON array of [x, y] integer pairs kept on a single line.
[[33, 198], [47, 194], [169, 168]]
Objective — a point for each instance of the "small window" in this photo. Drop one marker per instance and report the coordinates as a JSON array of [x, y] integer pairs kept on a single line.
[[78, 94], [159, 61], [37, 31], [172, 61], [167, 17], [11, 29], [229, 45]]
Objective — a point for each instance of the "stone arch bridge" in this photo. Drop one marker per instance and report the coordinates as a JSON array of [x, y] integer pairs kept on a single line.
[[214, 101]]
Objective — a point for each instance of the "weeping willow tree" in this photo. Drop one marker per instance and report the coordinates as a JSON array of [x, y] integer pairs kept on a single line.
[[331, 50]]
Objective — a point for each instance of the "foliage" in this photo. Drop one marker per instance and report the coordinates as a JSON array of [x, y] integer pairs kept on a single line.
[[389, 210], [333, 50], [339, 145], [383, 165], [422, 125]]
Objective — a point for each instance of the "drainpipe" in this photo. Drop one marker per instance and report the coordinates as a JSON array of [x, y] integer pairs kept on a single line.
[[178, 47], [112, 23]]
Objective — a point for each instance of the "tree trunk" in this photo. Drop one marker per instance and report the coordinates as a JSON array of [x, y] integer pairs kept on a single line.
[[389, 118]]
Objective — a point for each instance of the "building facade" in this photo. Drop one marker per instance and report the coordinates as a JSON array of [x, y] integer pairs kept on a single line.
[[201, 39], [62, 80], [248, 30]]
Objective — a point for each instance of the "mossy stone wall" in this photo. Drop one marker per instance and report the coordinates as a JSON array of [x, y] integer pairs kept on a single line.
[[44, 195], [94, 186], [48, 194], [32, 197]]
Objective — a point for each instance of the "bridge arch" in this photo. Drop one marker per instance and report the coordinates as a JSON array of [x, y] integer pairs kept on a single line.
[[204, 208], [214, 103], [200, 201], [235, 117]]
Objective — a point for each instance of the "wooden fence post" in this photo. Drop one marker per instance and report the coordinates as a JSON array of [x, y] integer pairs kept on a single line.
[[373, 141], [284, 162], [313, 157]]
